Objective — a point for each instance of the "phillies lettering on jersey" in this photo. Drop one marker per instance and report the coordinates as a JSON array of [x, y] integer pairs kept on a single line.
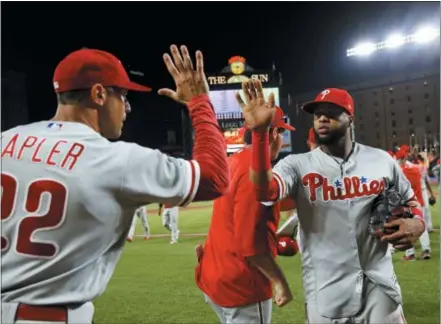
[[334, 202], [347, 188]]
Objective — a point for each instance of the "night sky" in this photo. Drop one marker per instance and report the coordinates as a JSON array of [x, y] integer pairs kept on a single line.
[[306, 41]]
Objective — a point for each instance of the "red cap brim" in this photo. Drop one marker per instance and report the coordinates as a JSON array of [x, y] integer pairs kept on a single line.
[[286, 126], [132, 86]]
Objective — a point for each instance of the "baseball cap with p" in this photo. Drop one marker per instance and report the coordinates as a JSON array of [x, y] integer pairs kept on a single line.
[[86, 67], [334, 96]]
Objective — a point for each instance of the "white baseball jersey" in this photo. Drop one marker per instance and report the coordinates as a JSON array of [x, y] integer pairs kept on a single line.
[[334, 201], [68, 199]]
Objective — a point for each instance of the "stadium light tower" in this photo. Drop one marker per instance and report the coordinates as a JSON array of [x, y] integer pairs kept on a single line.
[[421, 36]]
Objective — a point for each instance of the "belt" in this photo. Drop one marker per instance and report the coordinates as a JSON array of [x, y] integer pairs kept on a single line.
[[41, 313]]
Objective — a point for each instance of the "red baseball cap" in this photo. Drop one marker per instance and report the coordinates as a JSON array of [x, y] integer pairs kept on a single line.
[[279, 120], [401, 154], [405, 148], [84, 68], [335, 96]]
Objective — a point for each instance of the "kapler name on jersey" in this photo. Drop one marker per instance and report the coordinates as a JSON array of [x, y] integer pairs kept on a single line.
[[346, 188]]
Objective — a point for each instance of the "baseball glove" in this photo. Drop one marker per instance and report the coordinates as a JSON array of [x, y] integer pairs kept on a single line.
[[432, 201], [388, 205]]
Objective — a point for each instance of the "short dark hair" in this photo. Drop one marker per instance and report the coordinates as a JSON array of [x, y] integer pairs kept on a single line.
[[73, 96]]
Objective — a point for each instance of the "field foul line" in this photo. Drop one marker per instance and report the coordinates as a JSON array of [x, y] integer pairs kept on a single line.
[[168, 235]]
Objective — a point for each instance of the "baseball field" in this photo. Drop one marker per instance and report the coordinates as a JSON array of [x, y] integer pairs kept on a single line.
[[153, 282]]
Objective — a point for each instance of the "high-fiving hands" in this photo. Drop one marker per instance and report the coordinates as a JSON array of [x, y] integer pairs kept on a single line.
[[189, 82], [258, 113]]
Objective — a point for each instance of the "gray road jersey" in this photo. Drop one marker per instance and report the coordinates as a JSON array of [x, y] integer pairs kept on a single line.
[[334, 210], [68, 199]]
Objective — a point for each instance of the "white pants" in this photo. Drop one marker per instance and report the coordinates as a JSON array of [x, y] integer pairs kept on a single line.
[[170, 218], [378, 308], [140, 213], [426, 210], [258, 313]]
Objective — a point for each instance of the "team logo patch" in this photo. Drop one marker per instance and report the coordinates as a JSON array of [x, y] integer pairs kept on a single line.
[[341, 189]]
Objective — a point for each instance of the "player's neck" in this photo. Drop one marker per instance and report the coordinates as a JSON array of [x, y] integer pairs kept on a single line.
[[340, 149], [75, 114]]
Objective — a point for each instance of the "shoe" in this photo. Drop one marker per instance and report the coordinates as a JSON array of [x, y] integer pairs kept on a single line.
[[425, 255], [146, 238], [408, 258], [173, 242], [129, 239]]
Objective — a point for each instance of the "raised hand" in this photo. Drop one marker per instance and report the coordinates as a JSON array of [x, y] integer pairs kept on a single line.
[[189, 82], [258, 113]]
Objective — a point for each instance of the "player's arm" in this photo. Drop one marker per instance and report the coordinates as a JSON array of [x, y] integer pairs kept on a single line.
[[151, 176], [404, 187], [403, 232], [287, 205], [270, 184], [283, 181], [251, 232]]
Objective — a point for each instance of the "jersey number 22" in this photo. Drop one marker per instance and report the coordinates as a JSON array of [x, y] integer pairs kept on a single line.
[[29, 224]]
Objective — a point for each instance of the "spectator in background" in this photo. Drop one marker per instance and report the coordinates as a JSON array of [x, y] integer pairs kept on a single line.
[[426, 190]]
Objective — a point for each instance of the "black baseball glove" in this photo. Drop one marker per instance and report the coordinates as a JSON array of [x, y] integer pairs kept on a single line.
[[432, 201], [388, 205]]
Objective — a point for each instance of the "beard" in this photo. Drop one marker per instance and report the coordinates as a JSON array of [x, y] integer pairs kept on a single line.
[[333, 137]]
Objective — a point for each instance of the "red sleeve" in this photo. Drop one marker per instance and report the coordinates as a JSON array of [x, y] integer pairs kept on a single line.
[[209, 150], [287, 204], [250, 220]]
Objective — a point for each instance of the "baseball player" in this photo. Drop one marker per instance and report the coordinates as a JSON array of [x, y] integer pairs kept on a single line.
[[69, 194], [413, 174], [140, 213], [427, 192], [237, 268], [348, 274], [170, 216]]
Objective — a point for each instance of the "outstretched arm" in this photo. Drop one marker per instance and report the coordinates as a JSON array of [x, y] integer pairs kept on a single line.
[[259, 114]]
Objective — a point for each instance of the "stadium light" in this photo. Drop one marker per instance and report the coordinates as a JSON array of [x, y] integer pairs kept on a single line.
[[365, 49], [423, 35], [395, 41]]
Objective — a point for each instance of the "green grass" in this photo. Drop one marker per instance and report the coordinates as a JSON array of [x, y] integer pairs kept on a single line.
[[154, 281]]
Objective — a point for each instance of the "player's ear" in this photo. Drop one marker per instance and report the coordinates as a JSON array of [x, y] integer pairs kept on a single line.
[[98, 94]]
